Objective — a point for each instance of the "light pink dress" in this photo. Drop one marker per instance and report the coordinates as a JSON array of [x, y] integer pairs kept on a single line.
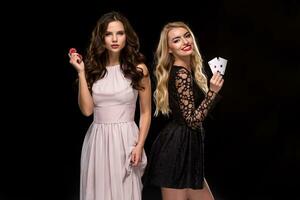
[[106, 173]]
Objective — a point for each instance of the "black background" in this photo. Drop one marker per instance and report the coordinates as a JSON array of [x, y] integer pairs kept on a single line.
[[252, 140]]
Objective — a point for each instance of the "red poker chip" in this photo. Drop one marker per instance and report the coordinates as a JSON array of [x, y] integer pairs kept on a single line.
[[72, 50]]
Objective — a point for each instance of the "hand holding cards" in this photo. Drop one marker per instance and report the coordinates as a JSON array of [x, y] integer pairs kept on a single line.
[[218, 64]]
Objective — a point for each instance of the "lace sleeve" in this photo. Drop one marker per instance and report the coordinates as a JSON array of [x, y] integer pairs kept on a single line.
[[193, 116]]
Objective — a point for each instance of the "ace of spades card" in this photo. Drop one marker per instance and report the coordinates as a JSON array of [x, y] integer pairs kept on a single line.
[[218, 64]]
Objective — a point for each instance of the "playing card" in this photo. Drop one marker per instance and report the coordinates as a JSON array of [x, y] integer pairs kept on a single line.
[[218, 64]]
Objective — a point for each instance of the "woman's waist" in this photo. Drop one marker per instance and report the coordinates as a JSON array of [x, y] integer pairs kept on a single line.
[[183, 123], [114, 114]]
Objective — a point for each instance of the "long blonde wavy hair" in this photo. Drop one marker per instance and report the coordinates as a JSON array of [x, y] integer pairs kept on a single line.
[[164, 62]]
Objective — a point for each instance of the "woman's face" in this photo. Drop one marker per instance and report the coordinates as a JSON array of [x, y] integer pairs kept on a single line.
[[180, 42], [115, 37]]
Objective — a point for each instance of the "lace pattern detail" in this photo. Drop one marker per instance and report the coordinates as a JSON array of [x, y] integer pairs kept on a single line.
[[184, 85]]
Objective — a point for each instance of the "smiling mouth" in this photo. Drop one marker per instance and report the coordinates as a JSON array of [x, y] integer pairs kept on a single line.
[[187, 48]]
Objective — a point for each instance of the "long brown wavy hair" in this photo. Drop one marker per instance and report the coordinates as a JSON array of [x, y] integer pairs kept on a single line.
[[97, 55]]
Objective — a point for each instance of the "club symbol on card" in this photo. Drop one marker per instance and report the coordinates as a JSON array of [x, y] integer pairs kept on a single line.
[[218, 64]]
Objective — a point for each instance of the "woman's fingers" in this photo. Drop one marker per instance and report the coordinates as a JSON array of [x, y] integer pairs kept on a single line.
[[216, 78], [75, 57], [135, 159], [216, 82]]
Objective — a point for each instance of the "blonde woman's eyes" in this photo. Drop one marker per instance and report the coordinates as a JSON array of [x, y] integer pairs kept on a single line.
[[188, 35]]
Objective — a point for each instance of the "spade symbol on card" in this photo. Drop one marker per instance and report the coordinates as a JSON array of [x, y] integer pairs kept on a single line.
[[218, 64]]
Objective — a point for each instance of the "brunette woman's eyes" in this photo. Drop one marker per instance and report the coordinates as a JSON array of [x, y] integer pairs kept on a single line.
[[120, 32]]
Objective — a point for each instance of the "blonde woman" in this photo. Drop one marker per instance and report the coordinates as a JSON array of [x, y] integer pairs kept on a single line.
[[182, 93]]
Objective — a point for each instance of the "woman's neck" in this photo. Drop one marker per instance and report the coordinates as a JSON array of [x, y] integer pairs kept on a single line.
[[184, 63], [113, 59]]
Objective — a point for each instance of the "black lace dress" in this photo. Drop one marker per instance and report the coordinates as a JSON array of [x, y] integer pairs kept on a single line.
[[176, 157]]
